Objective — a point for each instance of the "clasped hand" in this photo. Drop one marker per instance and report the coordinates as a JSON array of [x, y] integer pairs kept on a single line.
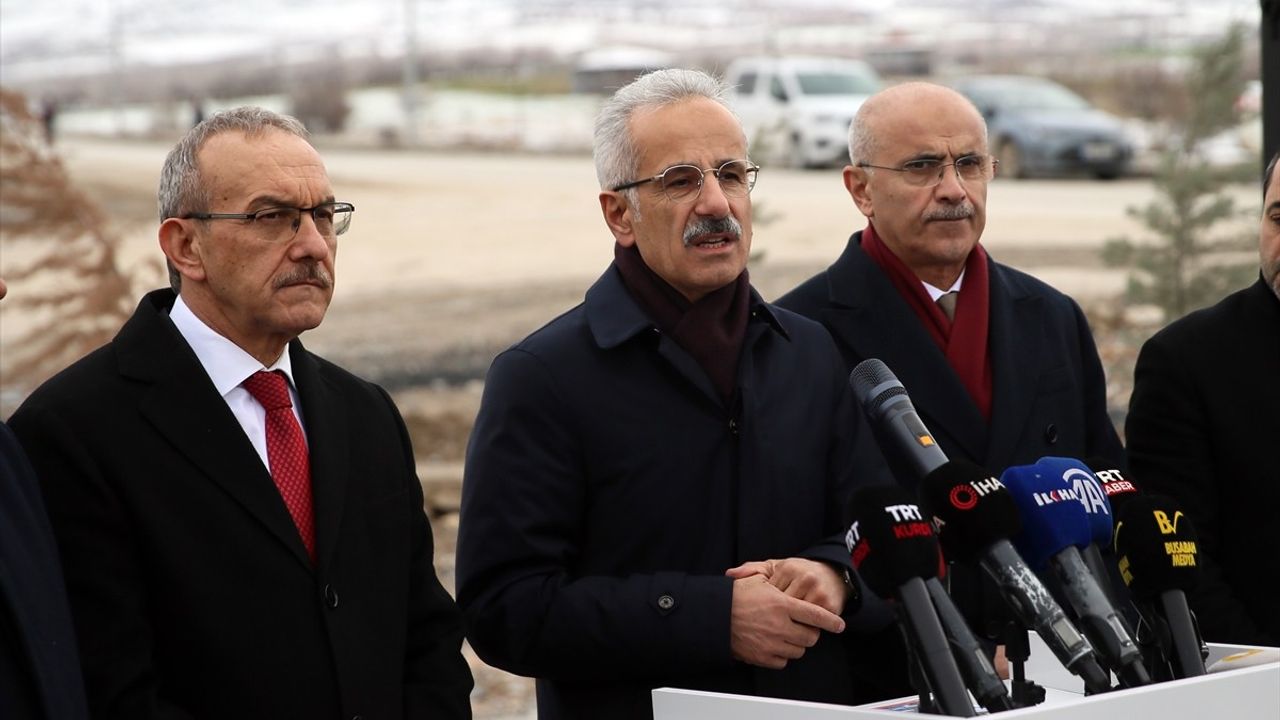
[[780, 608]]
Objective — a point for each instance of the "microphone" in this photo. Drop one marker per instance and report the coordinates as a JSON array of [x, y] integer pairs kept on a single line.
[[979, 674], [1097, 508], [894, 551], [1055, 527], [1159, 554], [977, 516], [885, 401]]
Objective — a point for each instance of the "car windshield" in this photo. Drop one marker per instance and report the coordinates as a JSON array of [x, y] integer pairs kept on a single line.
[[836, 83], [1029, 97]]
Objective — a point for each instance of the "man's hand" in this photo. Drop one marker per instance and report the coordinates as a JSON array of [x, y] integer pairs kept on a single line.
[[768, 628], [809, 580]]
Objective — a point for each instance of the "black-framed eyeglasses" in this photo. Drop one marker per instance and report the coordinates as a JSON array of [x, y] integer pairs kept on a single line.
[[282, 223], [927, 172], [684, 182]]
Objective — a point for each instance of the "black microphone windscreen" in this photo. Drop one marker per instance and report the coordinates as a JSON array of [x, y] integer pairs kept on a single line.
[[874, 383], [976, 510], [1156, 547], [890, 541]]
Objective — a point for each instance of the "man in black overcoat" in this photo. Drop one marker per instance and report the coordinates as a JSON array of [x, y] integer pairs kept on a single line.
[[240, 522]]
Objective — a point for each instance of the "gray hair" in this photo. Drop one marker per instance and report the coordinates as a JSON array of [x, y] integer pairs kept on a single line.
[[864, 144], [616, 156], [181, 190]]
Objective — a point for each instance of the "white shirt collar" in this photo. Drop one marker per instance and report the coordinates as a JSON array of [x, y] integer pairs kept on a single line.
[[935, 293], [226, 363]]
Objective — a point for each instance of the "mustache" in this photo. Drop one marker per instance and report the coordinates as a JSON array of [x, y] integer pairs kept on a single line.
[[963, 211], [309, 272], [727, 225]]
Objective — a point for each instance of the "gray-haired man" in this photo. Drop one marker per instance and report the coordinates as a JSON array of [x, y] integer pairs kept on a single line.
[[656, 483], [239, 520]]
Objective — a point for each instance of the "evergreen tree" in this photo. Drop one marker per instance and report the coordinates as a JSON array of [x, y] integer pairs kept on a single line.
[[1184, 268]]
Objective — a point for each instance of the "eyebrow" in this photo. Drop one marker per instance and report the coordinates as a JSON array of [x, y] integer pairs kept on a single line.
[[271, 201]]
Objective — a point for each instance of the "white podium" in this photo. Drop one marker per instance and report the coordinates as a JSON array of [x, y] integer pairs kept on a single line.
[[1245, 694]]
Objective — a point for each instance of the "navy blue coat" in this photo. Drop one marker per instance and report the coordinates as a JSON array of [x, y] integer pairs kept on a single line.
[[1048, 388], [39, 667], [608, 488]]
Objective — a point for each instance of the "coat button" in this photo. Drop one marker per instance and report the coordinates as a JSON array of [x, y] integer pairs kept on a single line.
[[330, 597], [1051, 434], [733, 426], [666, 602]]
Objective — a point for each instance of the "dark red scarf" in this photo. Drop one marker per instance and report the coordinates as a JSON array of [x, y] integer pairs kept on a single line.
[[968, 354], [711, 329]]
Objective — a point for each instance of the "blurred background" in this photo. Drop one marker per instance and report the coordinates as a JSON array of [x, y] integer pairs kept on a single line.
[[1129, 133]]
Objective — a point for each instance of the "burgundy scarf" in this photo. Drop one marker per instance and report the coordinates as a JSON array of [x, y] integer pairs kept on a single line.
[[968, 354], [711, 329]]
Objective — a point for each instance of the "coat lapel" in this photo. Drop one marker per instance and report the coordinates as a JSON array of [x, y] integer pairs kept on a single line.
[[866, 314], [184, 407], [329, 447]]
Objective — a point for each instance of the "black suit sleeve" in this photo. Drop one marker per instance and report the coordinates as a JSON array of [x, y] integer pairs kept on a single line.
[[108, 577], [1170, 452]]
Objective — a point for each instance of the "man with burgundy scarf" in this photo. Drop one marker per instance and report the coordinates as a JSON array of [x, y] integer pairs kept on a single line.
[[1015, 376], [656, 482]]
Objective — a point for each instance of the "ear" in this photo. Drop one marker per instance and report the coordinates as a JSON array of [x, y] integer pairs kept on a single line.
[[618, 216], [181, 245], [855, 181]]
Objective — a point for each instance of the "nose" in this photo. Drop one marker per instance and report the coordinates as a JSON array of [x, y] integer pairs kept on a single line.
[[308, 241], [712, 202], [950, 185]]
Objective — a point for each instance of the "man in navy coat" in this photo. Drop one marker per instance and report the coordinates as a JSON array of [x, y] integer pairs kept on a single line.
[[656, 485], [1001, 367], [39, 664], [229, 555], [1202, 427]]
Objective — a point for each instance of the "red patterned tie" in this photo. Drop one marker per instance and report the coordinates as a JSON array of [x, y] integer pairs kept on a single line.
[[286, 451]]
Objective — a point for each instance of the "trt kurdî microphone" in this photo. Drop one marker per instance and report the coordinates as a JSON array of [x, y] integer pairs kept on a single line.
[[887, 405], [978, 517], [1159, 560], [1054, 528], [894, 550]]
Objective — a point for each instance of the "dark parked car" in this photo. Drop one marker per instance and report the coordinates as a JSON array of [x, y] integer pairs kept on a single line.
[[1038, 127]]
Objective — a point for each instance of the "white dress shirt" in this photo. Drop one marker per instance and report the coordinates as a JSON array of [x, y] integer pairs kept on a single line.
[[935, 293], [227, 366]]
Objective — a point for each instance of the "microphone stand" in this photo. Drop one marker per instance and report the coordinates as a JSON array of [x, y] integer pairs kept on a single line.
[[1017, 648], [919, 681]]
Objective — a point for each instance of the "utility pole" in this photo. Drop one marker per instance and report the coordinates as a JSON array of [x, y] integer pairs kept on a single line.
[[1270, 78], [409, 75]]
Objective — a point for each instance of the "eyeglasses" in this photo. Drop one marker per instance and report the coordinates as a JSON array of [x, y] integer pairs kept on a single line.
[[928, 173], [282, 223], [684, 182]]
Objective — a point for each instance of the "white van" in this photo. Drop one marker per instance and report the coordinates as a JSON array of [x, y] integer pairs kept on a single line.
[[796, 109]]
